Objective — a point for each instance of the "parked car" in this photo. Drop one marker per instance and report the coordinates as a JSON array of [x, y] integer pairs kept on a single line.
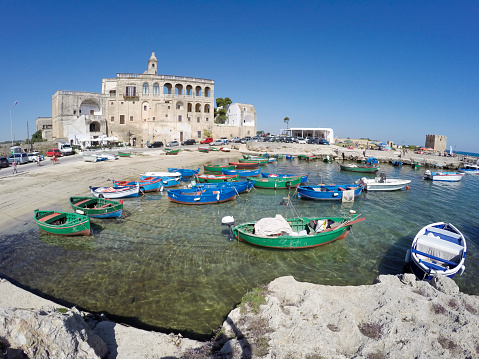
[[301, 140], [312, 141], [322, 141], [54, 152], [206, 140], [190, 141], [256, 139], [32, 156], [225, 140], [217, 142], [155, 144], [245, 139], [235, 140], [20, 158], [172, 144], [4, 162]]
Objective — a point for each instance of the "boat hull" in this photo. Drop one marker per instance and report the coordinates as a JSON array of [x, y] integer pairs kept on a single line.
[[118, 192], [184, 172], [62, 223], [243, 186], [244, 233], [243, 173], [390, 184], [304, 178], [218, 168], [438, 249], [95, 207], [276, 183], [216, 178], [361, 169], [443, 176], [327, 192], [151, 185], [201, 196]]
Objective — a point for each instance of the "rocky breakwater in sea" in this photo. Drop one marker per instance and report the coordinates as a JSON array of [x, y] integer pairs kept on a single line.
[[397, 317]]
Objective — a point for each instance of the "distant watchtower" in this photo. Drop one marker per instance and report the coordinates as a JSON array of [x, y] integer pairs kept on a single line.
[[152, 64], [437, 142]]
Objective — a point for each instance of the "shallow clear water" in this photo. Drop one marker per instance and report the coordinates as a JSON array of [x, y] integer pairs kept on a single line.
[[172, 267]]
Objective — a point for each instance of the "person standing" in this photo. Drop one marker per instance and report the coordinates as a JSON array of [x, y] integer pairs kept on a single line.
[[14, 165]]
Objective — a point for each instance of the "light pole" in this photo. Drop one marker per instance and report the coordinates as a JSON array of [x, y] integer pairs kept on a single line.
[[11, 123]]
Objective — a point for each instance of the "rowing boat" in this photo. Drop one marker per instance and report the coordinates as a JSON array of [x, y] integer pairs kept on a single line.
[[63, 223]]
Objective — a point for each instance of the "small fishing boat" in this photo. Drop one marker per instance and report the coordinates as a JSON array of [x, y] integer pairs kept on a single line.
[[175, 175], [216, 178], [359, 168], [327, 158], [289, 157], [437, 249], [302, 157], [225, 149], [245, 165], [294, 233], [396, 163], [204, 149], [93, 157], [443, 176], [276, 182], [243, 173], [259, 161], [109, 156], [170, 151], [124, 154], [213, 149], [63, 223], [310, 158], [382, 183], [304, 178], [242, 186], [152, 184], [202, 196], [329, 192], [116, 192], [279, 156], [218, 168], [471, 169], [95, 207], [166, 182], [184, 172], [372, 161], [415, 165]]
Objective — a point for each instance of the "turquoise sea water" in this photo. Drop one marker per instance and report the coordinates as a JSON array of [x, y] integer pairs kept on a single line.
[[473, 154], [171, 267]]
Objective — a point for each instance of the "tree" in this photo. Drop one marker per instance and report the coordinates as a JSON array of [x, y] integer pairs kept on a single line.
[[220, 116], [220, 110], [207, 132], [286, 120], [37, 137]]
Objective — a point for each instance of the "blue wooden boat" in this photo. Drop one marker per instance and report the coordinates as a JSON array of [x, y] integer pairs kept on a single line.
[[304, 178], [243, 173], [328, 192], [166, 182], [185, 172], [437, 249], [372, 161], [202, 196], [152, 184], [241, 186], [289, 157], [396, 163]]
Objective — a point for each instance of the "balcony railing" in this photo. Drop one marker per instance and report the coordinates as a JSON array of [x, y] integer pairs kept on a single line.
[[165, 77]]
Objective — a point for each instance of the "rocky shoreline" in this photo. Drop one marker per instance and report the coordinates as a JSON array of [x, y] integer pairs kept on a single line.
[[395, 317]]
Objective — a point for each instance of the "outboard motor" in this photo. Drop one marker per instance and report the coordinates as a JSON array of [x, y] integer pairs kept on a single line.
[[230, 222], [382, 177]]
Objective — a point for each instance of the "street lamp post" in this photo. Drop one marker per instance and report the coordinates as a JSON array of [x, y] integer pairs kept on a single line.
[[11, 123]]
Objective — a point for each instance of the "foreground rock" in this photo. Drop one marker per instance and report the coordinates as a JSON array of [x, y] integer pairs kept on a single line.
[[398, 317]]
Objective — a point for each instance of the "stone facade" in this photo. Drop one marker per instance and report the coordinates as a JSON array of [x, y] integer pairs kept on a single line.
[[141, 108], [44, 124], [437, 142]]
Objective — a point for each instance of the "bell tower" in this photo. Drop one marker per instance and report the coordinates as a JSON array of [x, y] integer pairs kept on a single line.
[[152, 64]]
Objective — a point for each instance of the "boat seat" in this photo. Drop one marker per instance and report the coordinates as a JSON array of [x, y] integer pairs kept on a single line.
[[439, 248], [104, 206], [50, 216], [444, 234], [81, 202]]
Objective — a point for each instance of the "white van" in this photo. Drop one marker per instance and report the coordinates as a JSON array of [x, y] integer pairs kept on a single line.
[[20, 158]]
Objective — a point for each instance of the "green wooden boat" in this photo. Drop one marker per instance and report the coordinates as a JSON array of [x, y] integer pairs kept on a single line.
[[95, 207], [124, 154], [170, 151], [310, 158], [214, 149], [415, 165], [217, 178], [218, 168], [302, 157], [305, 229], [204, 149], [261, 162], [63, 223], [276, 182], [359, 168], [279, 156]]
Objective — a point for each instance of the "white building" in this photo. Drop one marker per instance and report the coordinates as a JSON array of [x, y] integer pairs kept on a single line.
[[323, 133]]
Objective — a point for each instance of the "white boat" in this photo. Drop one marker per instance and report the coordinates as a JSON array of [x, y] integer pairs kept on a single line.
[[93, 157], [109, 156], [471, 169], [116, 192], [175, 175], [382, 183], [443, 176], [437, 249]]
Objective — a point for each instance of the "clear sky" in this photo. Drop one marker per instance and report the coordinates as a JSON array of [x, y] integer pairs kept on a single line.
[[385, 70]]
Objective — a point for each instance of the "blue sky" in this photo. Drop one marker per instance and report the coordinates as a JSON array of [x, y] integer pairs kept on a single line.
[[385, 70]]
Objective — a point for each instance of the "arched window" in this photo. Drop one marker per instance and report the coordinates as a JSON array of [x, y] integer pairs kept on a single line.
[[167, 89], [156, 89], [207, 108], [207, 92], [198, 91], [145, 89], [179, 89], [198, 107], [94, 127], [189, 90], [190, 107]]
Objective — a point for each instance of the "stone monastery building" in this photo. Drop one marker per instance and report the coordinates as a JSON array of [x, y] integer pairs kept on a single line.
[[141, 108]]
